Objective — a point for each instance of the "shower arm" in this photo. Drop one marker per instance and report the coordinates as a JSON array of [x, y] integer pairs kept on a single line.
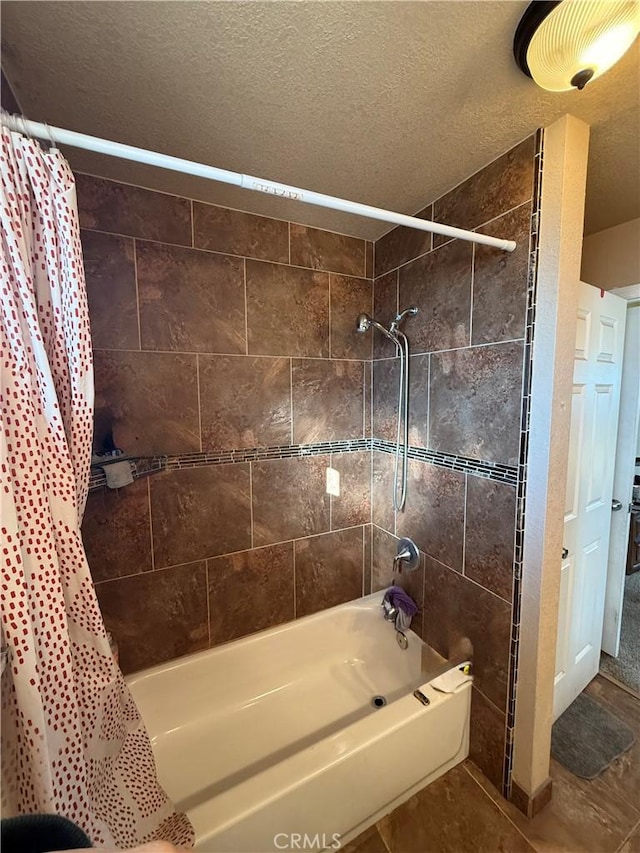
[[59, 135]]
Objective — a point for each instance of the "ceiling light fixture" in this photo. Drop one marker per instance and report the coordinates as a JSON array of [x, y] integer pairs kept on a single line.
[[564, 44]]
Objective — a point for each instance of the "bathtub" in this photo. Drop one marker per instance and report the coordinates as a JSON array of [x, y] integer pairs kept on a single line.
[[278, 733]]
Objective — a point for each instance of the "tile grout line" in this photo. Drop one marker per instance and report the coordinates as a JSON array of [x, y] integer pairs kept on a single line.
[[435, 248], [246, 308], [153, 557], [428, 399], [330, 274], [244, 354], [330, 496], [135, 276], [199, 403], [291, 395], [464, 526], [382, 838], [363, 559], [364, 399], [251, 502], [498, 805], [627, 837], [232, 553], [295, 601], [473, 273], [193, 235], [441, 351], [206, 575], [227, 254], [289, 238], [218, 206]]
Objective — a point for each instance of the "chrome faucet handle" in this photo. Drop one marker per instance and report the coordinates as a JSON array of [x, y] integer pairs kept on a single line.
[[407, 555]]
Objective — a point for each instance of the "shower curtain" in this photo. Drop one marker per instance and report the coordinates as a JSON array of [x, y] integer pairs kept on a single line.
[[73, 742]]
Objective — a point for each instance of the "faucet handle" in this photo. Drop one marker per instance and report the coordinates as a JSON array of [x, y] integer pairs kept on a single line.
[[407, 555]]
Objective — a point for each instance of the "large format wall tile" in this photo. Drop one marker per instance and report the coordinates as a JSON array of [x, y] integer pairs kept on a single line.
[[233, 232], [434, 512], [327, 250], [200, 512], [110, 274], [490, 530], [353, 505], [369, 259], [402, 244], [418, 400], [190, 301], [439, 284], [157, 616], [500, 281], [149, 401], [245, 401], [382, 484], [116, 533], [289, 498], [386, 376], [135, 212], [385, 308], [475, 402], [350, 297], [250, 591], [287, 311], [329, 570], [502, 185], [457, 610], [328, 402], [487, 735]]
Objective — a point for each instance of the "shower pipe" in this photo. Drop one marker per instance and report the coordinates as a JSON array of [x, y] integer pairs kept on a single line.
[[189, 167], [401, 343]]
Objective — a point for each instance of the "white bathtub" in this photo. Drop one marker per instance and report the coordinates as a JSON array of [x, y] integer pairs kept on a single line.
[[275, 733]]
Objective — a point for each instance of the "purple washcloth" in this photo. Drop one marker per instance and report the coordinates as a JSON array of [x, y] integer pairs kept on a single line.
[[399, 598]]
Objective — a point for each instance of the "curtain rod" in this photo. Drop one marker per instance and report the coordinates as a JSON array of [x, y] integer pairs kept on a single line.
[[200, 170]]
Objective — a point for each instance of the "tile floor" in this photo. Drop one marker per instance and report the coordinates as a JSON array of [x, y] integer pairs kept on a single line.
[[463, 812]]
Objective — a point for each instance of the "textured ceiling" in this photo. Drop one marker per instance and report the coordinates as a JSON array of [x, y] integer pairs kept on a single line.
[[388, 103]]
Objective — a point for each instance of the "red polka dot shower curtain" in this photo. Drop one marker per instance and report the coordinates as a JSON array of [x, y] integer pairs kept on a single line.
[[73, 742]]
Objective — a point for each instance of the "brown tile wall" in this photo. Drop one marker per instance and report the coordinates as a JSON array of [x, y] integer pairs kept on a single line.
[[217, 330], [466, 375]]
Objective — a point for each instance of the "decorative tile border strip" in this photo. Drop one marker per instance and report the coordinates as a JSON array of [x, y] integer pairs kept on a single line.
[[143, 466], [490, 470], [532, 286]]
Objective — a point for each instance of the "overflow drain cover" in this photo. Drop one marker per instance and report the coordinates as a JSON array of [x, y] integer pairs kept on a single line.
[[378, 701]]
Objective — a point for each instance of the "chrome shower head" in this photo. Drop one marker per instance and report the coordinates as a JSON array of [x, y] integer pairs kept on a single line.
[[365, 322], [411, 311]]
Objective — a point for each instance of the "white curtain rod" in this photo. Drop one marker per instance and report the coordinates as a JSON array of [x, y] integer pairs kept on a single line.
[[177, 164]]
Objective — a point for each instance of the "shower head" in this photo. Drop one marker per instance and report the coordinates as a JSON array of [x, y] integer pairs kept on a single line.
[[365, 322], [411, 311]]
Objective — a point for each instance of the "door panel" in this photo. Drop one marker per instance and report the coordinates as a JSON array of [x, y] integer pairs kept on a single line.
[[587, 519]]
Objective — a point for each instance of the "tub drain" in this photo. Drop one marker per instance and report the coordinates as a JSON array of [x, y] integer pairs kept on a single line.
[[378, 701]]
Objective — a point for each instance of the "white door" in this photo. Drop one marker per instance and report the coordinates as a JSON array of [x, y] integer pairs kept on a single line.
[[626, 452], [587, 520]]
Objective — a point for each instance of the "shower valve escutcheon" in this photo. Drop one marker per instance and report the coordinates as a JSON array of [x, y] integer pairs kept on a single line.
[[407, 557]]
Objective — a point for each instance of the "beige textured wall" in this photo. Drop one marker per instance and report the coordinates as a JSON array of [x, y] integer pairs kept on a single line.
[[611, 258], [566, 146]]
